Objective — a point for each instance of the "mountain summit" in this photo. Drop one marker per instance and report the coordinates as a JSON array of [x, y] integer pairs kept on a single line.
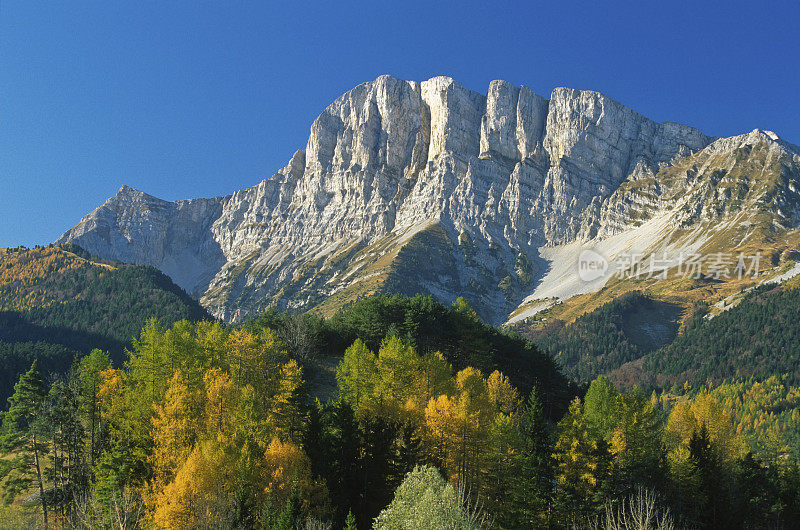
[[429, 187]]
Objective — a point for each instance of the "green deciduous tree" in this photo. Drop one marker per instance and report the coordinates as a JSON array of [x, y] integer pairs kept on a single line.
[[426, 500]]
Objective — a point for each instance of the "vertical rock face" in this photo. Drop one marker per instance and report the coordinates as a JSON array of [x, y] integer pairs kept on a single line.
[[496, 175], [455, 116], [499, 123], [594, 145]]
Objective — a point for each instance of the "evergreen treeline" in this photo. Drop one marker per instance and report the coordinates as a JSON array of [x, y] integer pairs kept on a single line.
[[208, 426], [428, 326], [56, 304], [596, 342], [759, 337]]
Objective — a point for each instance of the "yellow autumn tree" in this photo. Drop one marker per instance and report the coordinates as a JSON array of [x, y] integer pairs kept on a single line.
[[286, 416], [211, 341], [255, 359], [434, 378], [286, 467], [221, 402], [686, 418], [199, 496], [458, 426], [582, 463], [705, 415], [243, 357], [396, 366], [110, 393], [502, 394], [176, 424], [396, 384]]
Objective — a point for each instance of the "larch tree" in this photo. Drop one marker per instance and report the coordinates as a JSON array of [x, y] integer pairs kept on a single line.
[[89, 369], [357, 374]]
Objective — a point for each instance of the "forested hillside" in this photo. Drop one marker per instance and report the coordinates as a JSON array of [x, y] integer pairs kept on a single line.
[[759, 337], [428, 326], [432, 419], [57, 303], [620, 331], [209, 426]]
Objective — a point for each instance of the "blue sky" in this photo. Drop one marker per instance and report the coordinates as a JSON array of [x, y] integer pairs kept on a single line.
[[194, 99]]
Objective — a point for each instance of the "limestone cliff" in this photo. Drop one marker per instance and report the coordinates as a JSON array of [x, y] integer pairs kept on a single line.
[[415, 187]]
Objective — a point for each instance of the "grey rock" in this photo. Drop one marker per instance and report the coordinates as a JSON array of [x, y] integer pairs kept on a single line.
[[501, 174]]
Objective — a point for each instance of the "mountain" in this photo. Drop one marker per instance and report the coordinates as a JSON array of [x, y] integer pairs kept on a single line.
[[58, 303], [429, 187]]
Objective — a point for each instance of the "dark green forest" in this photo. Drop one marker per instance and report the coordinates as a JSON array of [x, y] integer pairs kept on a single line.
[[759, 337], [55, 308], [428, 326], [598, 341]]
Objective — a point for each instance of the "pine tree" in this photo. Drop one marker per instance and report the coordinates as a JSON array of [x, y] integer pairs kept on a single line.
[[704, 459], [637, 443], [89, 370], [407, 453], [24, 425], [66, 433], [342, 446], [313, 443], [376, 464], [532, 477], [600, 407], [291, 511]]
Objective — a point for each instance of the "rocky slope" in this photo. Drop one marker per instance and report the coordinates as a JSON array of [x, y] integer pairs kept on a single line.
[[430, 187]]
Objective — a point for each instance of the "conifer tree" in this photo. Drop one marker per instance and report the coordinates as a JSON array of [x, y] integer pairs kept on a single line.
[[583, 464], [350, 521], [66, 434], [532, 479], [24, 425], [291, 511], [89, 370]]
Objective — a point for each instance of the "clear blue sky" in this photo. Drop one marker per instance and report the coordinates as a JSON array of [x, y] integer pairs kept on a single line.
[[194, 99]]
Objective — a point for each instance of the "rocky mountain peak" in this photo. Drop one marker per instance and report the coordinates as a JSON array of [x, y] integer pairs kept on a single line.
[[754, 138], [413, 187], [127, 194]]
